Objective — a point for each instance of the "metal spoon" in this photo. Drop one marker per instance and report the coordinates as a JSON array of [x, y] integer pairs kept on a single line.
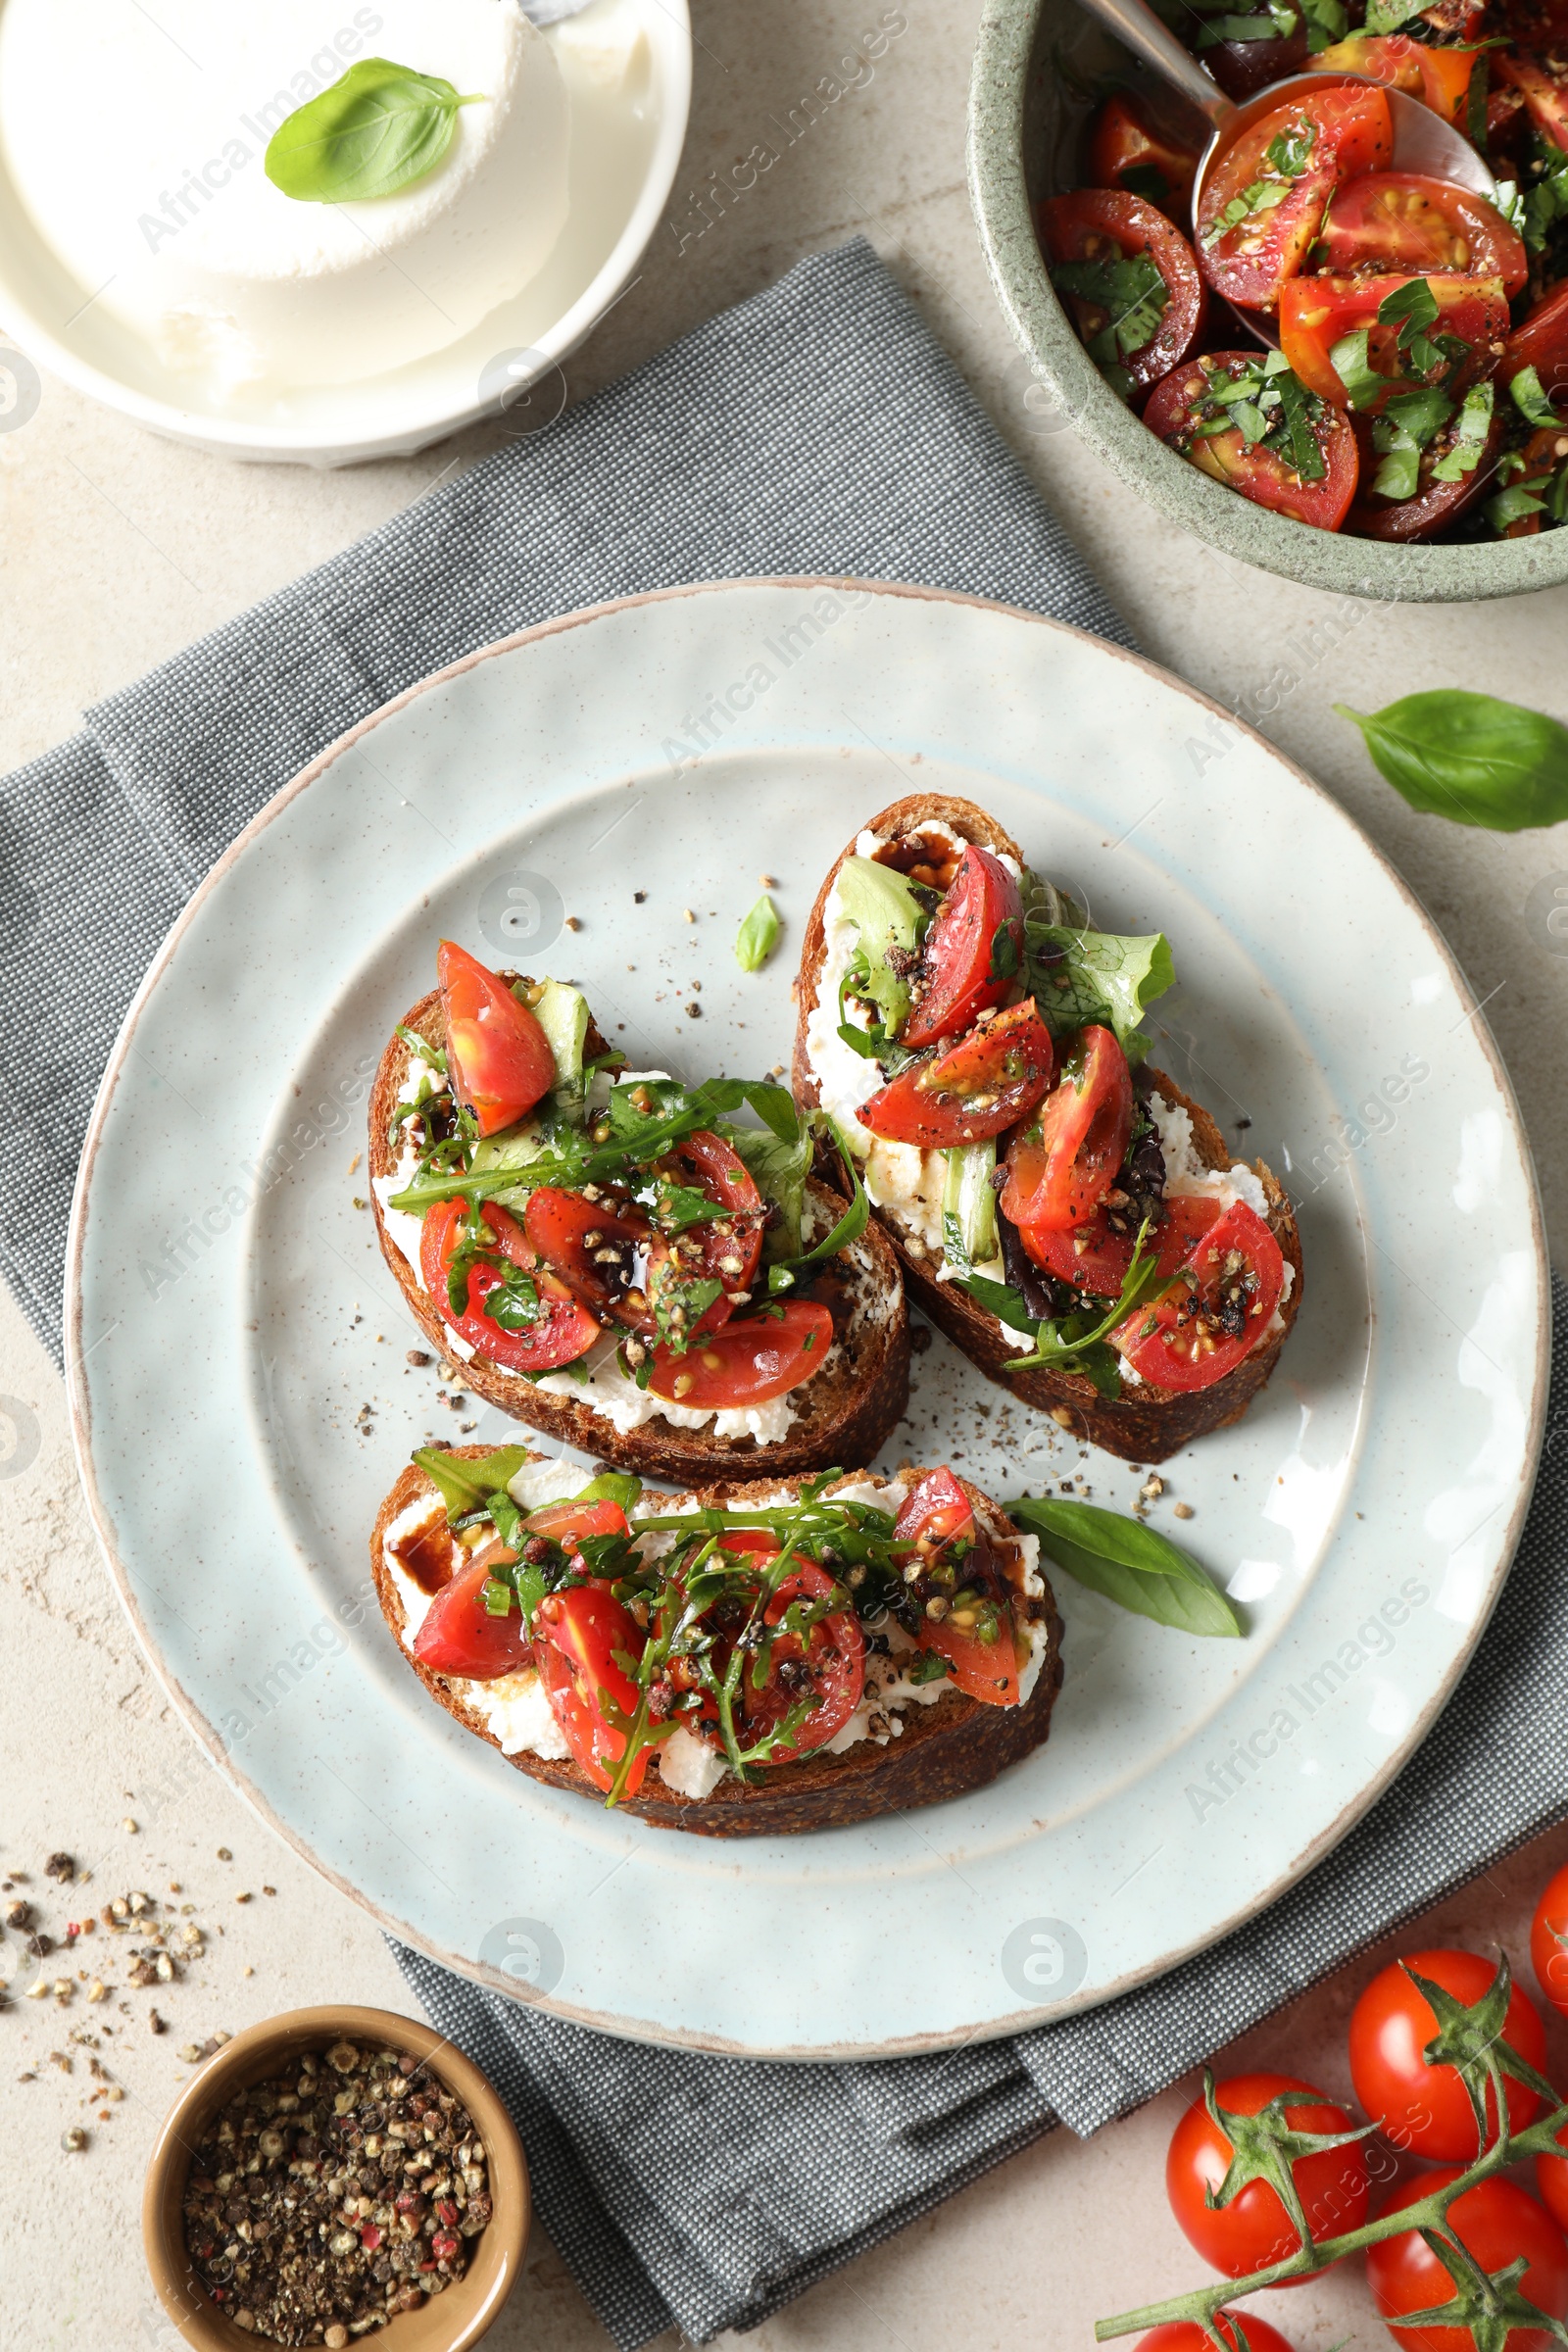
[[1422, 141]]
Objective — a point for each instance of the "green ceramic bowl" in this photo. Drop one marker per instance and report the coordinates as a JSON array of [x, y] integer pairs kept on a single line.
[[1034, 64]]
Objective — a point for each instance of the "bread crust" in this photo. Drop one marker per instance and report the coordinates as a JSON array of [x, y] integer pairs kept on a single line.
[[1144, 1424], [845, 1415], [946, 1748]]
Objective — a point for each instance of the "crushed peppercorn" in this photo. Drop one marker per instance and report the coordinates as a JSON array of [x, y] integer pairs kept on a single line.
[[343, 2190]]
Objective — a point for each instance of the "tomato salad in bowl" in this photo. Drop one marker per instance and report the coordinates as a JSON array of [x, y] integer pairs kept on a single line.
[[749, 1659], [1419, 390], [611, 1254], [1065, 1214]]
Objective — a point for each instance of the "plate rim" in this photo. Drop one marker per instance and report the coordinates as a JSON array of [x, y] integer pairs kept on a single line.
[[210, 1740]]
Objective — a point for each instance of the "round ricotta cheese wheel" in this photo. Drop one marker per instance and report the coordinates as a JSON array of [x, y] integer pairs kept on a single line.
[[136, 141]]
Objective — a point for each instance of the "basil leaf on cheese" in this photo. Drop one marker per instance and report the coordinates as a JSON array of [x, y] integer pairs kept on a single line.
[[378, 128]]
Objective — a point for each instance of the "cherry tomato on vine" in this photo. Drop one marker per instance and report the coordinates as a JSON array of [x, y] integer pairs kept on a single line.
[[1426, 2109], [1254, 2230], [1185, 2335], [1549, 1940], [1497, 2222]]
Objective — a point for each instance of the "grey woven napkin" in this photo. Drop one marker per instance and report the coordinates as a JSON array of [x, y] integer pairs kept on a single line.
[[815, 429]]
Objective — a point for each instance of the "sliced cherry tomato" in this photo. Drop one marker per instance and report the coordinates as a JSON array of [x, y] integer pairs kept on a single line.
[[827, 1666], [1426, 2109], [976, 1634], [971, 951], [597, 1248], [585, 1644], [1244, 67], [1316, 311], [458, 1633], [1096, 1255], [1185, 2335], [1132, 151], [1059, 1172], [1094, 229], [748, 1363], [1185, 411], [1264, 194], [563, 1328], [568, 1524], [1497, 2222], [724, 1252], [1254, 2230], [1391, 220], [1548, 1941], [1436, 503], [987, 1082], [1438, 78], [1540, 342], [1216, 1309], [1543, 89], [498, 1056]]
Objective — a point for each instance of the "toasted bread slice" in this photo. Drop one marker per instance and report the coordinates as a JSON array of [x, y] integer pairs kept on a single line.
[[1145, 1423], [942, 1749], [844, 1414]]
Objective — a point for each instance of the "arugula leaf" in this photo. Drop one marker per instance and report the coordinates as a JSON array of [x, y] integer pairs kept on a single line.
[[758, 935], [1355, 371], [1528, 397], [1129, 1563], [1081, 976], [377, 128], [1470, 435], [416, 1045], [1471, 757], [470, 1486]]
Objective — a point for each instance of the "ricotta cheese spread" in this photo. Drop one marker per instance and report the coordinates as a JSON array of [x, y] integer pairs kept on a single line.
[[135, 137], [606, 1390]]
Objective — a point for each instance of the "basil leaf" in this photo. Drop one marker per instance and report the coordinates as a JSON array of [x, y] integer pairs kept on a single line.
[[470, 1485], [1387, 16], [1412, 306], [1471, 757], [1131, 292], [1081, 976], [1470, 437], [1400, 470], [1528, 397], [1421, 413], [1327, 22], [1512, 506], [1129, 1563], [380, 127], [999, 1299], [1355, 371], [1298, 408], [758, 935]]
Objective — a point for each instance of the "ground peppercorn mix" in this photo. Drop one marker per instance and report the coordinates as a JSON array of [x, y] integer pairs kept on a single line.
[[341, 2191]]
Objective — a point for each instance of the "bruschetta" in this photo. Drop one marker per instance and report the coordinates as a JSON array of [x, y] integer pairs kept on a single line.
[[749, 1659], [1065, 1214], [615, 1260]]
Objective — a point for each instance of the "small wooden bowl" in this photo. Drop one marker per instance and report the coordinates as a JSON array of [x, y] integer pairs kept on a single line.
[[447, 2322]]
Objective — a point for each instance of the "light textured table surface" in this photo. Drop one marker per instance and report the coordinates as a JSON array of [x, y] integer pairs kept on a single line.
[[116, 549]]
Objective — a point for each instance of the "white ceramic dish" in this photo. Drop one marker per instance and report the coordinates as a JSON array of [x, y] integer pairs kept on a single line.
[[624, 165], [229, 1312]]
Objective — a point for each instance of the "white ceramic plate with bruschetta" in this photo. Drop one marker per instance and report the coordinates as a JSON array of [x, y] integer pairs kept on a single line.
[[597, 799]]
